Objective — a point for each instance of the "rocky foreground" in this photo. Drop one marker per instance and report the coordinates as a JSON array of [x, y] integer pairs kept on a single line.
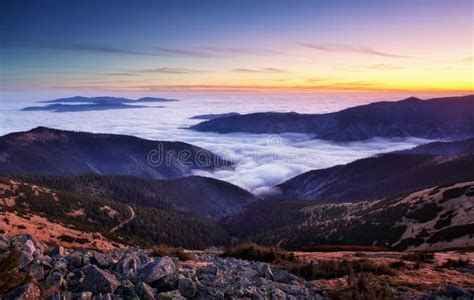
[[34, 270]]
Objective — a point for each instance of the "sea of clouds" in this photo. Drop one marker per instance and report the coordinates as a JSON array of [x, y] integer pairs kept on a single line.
[[261, 160]]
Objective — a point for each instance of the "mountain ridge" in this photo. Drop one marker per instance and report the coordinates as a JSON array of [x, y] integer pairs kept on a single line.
[[44, 150], [449, 117]]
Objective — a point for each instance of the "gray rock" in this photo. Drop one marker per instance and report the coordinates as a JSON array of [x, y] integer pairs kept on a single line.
[[26, 248], [102, 260], [156, 269], [98, 281], [277, 294], [165, 284], [172, 295], [57, 251], [281, 276], [85, 296], [186, 287], [36, 270], [265, 271], [211, 269], [145, 292], [128, 265], [29, 291], [4, 243], [54, 280], [75, 259], [126, 289]]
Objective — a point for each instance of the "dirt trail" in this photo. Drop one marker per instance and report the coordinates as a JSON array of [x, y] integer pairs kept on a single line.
[[132, 216]]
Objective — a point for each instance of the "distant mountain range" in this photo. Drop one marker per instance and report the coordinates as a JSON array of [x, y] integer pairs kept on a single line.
[[397, 199], [105, 99], [437, 218], [441, 118], [78, 104], [58, 152], [215, 116], [385, 175]]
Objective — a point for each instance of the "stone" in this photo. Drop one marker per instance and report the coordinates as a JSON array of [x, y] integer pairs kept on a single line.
[[186, 287], [102, 260], [98, 281], [26, 248], [128, 265], [156, 269], [145, 292], [265, 271], [171, 295], [75, 259], [126, 289], [36, 270], [281, 276], [277, 294], [54, 280], [4, 243], [29, 291], [85, 296]]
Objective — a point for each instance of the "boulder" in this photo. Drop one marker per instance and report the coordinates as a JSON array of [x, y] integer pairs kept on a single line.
[[171, 295], [98, 281], [155, 270], [281, 276], [145, 292], [128, 265], [29, 291], [186, 287], [4, 243], [26, 247], [54, 280], [102, 260], [36, 270]]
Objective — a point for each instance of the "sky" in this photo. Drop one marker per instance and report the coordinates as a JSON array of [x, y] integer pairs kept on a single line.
[[419, 45]]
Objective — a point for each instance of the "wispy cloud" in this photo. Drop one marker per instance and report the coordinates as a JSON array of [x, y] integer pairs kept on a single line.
[[203, 52], [384, 67], [98, 48], [215, 52], [182, 52], [469, 59], [239, 51], [342, 48], [262, 70], [169, 70]]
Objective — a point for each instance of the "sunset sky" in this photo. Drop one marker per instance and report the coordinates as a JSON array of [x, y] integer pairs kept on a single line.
[[225, 45]]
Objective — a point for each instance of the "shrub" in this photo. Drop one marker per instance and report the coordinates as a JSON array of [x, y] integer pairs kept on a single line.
[[256, 252], [419, 257], [456, 263], [163, 250], [331, 269], [70, 239], [399, 264], [363, 287]]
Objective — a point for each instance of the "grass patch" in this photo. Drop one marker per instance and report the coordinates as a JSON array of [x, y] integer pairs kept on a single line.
[[331, 269], [163, 250], [254, 252], [309, 270], [363, 287], [419, 257], [338, 248], [456, 263]]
